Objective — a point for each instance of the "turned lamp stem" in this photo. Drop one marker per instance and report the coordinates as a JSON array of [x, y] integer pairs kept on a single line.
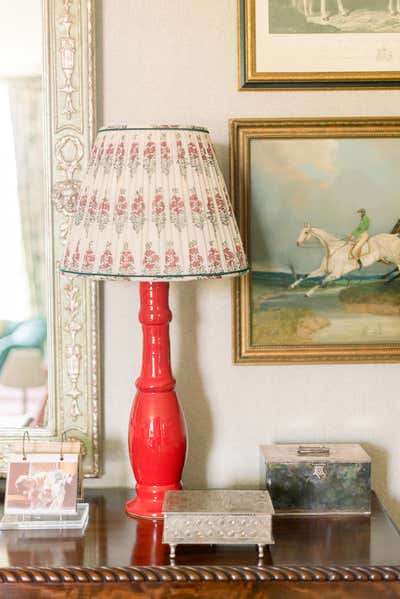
[[157, 431]]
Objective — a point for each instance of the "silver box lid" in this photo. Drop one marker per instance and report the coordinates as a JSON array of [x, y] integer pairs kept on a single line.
[[218, 502], [338, 452]]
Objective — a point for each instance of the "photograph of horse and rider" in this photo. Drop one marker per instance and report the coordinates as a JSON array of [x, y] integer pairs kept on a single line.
[[325, 269], [334, 16]]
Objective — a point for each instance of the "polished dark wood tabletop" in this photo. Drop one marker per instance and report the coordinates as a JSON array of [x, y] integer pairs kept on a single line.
[[113, 539], [115, 548]]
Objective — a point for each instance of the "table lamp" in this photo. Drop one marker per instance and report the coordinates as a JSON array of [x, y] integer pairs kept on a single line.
[[154, 208]]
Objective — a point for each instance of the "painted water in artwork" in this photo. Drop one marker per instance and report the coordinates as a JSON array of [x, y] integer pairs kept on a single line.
[[321, 247], [334, 16]]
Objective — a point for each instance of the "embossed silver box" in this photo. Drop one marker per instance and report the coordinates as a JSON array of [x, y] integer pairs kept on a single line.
[[317, 479], [217, 517]]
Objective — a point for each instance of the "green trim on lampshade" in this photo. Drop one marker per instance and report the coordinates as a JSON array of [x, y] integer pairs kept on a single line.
[[154, 277], [155, 128]]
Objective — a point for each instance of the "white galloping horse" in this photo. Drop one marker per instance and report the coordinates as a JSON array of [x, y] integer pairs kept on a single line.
[[306, 6], [338, 260]]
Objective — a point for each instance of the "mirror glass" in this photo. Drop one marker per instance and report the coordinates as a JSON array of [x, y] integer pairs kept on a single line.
[[23, 297]]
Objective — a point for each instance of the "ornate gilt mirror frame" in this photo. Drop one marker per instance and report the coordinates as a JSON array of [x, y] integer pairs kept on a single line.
[[73, 304]]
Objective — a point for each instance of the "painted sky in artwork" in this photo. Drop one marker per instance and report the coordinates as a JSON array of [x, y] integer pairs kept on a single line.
[[323, 182]]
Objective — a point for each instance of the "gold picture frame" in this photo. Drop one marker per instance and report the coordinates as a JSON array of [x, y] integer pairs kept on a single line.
[[243, 132], [380, 51]]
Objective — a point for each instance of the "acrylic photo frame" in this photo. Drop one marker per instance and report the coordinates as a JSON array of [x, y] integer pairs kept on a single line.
[[43, 478]]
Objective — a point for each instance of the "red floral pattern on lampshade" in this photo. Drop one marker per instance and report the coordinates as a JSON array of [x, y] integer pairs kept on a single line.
[[138, 208], [194, 156], [211, 211], [181, 156], [119, 158], [210, 155], [108, 159], [126, 261], [76, 256], [91, 211], [106, 259], [89, 259], [229, 256], [81, 209], [177, 211], [121, 212], [133, 162], [223, 209], [240, 255], [154, 206], [203, 153], [196, 260], [149, 163], [197, 209], [214, 259], [166, 161], [151, 261], [172, 266], [158, 211], [103, 215]]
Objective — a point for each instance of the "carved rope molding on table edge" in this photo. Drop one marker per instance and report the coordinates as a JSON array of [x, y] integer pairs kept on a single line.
[[189, 574]]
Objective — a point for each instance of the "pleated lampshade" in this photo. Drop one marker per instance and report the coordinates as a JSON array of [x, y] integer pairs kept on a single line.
[[154, 206]]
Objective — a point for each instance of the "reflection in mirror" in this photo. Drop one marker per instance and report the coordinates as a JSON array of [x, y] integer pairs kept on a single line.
[[23, 368]]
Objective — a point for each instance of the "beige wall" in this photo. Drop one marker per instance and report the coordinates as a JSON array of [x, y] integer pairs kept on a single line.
[[175, 60], [20, 38]]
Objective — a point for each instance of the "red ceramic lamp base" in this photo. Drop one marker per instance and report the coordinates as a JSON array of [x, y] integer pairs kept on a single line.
[[157, 432], [149, 502]]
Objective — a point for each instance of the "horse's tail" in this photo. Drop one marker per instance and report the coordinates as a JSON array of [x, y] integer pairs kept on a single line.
[[293, 271], [396, 228]]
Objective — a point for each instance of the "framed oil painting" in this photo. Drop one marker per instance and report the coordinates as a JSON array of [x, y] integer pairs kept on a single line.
[[317, 202], [319, 43]]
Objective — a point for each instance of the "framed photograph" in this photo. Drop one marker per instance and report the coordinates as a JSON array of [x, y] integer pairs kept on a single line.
[[317, 202], [42, 484], [319, 44], [43, 477]]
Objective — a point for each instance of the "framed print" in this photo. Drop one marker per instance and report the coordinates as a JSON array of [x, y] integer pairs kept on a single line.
[[318, 210], [319, 44]]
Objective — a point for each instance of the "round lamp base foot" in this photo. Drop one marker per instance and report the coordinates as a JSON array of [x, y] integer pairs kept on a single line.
[[148, 502], [144, 508]]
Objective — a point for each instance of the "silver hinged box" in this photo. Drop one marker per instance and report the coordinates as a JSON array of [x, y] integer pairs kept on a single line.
[[217, 517], [317, 479]]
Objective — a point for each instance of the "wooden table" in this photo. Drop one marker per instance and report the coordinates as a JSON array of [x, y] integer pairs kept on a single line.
[[336, 557]]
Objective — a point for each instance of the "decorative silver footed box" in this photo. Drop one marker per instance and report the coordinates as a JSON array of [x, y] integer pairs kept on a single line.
[[317, 479], [218, 517]]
